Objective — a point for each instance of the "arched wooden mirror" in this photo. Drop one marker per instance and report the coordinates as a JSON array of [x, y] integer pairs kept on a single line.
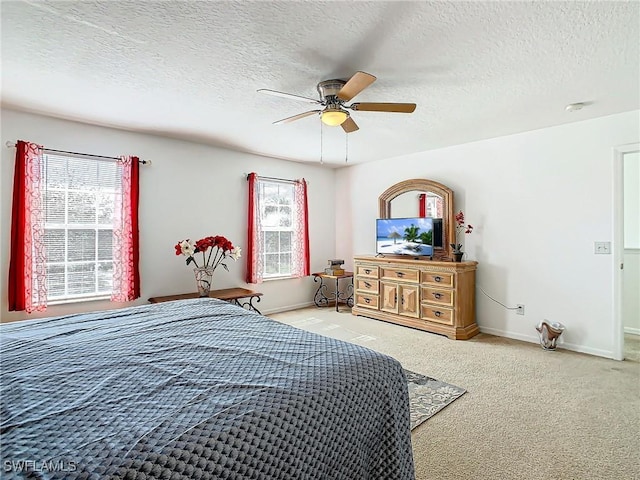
[[419, 197]]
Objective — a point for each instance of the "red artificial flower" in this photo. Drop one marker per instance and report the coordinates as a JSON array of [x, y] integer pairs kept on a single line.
[[204, 244], [220, 246]]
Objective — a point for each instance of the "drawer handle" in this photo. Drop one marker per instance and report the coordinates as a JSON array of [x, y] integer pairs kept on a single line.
[[367, 271], [400, 274], [438, 279], [367, 300], [437, 313], [437, 295], [367, 284]]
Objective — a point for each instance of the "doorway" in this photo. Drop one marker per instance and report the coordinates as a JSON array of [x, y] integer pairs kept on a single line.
[[626, 243]]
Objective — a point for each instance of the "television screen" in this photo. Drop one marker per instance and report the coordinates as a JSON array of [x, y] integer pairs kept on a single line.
[[404, 236]]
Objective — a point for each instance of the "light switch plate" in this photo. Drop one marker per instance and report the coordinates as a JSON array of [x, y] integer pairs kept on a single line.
[[602, 248]]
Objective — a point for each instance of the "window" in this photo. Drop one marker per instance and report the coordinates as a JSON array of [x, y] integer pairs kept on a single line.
[[278, 243], [74, 228], [276, 217], [79, 203]]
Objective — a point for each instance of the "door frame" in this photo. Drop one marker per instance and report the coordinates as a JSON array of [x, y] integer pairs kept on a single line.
[[618, 244]]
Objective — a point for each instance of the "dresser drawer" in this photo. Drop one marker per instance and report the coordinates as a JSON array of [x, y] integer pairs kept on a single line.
[[366, 271], [367, 301], [438, 279], [438, 295], [404, 274], [436, 314], [367, 285]]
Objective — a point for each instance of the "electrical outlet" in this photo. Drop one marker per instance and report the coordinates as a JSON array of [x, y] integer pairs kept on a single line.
[[520, 309]]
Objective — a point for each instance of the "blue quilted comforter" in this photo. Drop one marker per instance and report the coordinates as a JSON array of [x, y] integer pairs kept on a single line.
[[197, 389]]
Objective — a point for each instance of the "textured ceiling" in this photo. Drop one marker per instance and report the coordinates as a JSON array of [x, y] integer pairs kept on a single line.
[[191, 69]]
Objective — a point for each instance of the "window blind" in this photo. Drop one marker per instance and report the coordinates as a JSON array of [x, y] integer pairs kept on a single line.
[[277, 225], [79, 203]]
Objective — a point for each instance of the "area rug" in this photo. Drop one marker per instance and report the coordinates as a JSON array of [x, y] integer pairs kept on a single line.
[[427, 396]]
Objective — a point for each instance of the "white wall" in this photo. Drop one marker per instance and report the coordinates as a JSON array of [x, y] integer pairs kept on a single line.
[[631, 273], [538, 201], [191, 190]]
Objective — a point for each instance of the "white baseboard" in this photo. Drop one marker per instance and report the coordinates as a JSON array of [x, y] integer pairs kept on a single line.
[[515, 336], [534, 339], [492, 331], [632, 331], [286, 308]]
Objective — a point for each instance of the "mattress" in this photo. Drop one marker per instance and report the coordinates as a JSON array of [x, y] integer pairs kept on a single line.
[[197, 389]]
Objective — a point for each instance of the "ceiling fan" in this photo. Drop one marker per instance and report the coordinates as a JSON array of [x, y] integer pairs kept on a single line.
[[334, 95]]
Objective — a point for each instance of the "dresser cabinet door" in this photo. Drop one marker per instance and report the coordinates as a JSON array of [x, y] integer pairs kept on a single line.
[[389, 297], [408, 301]]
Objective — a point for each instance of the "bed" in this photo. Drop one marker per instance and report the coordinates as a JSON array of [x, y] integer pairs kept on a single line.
[[197, 389]]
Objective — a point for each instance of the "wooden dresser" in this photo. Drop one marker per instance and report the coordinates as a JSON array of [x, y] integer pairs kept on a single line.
[[435, 296]]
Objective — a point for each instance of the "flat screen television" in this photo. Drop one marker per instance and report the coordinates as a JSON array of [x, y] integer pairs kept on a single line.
[[405, 236]]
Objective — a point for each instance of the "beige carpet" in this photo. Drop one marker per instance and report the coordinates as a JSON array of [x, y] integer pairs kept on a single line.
[[527, 413]]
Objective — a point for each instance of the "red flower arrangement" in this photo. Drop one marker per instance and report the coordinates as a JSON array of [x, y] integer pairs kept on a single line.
[[460, 227], [219, 248]]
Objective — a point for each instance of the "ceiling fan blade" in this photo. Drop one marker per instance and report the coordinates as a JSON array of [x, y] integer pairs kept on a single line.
[[355, 85], [288, 95], [296, 117], [384, 107], [349, 125]]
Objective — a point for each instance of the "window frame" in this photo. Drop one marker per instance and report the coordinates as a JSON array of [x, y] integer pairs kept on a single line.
[[98, 191], [262, 205]]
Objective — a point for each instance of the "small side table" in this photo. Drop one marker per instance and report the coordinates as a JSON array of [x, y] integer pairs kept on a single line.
[[323, 298], [237, 296]]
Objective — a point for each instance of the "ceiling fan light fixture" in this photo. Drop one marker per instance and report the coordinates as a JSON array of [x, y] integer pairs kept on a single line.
[[333, 117]]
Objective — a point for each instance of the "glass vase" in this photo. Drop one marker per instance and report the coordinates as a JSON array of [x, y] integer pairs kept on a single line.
[[204, 277], [549, 334]]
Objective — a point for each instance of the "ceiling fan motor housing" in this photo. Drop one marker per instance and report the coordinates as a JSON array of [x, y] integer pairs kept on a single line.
[[328, 91]]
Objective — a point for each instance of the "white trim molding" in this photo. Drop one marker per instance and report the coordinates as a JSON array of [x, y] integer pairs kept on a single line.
[[562, 345], [618, 244]]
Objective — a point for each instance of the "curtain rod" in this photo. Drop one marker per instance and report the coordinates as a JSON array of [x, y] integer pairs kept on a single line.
[[275, 178], [9, 144]]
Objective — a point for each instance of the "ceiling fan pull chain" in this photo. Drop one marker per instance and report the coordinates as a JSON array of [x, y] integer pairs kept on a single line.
[[321, 130], [346, 148]]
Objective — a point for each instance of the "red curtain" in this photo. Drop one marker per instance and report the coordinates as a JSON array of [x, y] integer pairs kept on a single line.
[[126, 243], [253, 254], [27, 264], [422, 203]]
